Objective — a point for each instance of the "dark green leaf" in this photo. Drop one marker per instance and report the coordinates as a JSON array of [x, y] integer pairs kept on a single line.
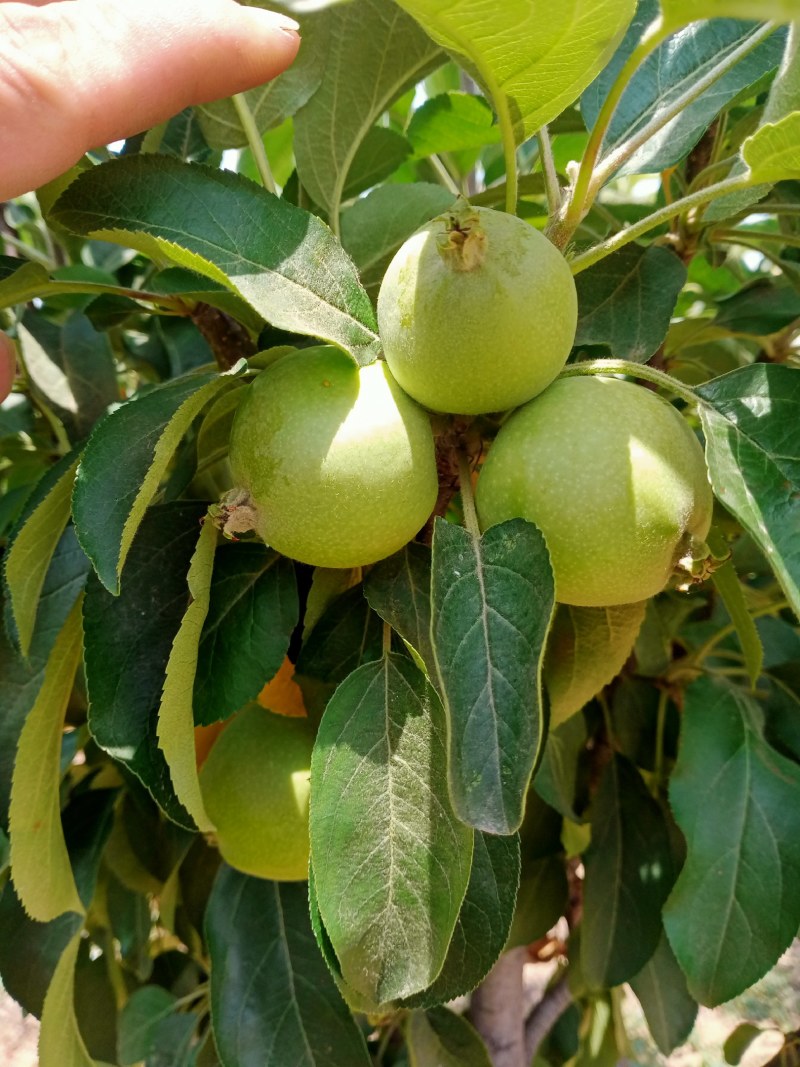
[[760, 309], [72, 366], [374, 52], [283, 261], [143, 1034], [273, 1002], [674, 67], [561, 779], [110, 497], [391, 861], [399, 590], [668, 1006], [484, 921], [735, 906], [128, 640], [492, 603], [440, 1038], [251, 616], [626, 302], [542, 899], [751, 420], [380, 154], [629, 874]]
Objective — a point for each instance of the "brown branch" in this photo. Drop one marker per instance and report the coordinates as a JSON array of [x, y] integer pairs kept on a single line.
[[227, 338], [545, 1016]]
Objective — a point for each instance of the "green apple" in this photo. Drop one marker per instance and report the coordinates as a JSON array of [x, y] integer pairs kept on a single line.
[[477, 312], [334, 461], [255, 787], [613, 477]]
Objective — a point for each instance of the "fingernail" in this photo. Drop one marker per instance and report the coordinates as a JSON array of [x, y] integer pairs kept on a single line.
[[276, 20]]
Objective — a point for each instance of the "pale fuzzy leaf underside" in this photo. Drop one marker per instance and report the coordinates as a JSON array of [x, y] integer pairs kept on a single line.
[[532, 57], [391, 860]]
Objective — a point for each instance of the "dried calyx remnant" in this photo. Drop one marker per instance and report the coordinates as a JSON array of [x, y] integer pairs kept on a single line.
[[464, 242], [234, 514]]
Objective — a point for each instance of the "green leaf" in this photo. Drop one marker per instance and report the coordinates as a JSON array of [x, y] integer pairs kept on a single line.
[[60, 1041], [175, 715], [626, 302], [375, 227], [669, 1008], [33, 544], [20, 681], [381, 152], [110, 497], [738, 1042], [283, 261], [532, 58], [484, 921], [72, 365], [679, 12], [587, 648], [20, 280], [348, 634], [273, 1001], [392, 862], [542, 899], [399, 590], [141, 1030], [278, 98], [760, 309], [128, 640], [492, 603], [734, 908], [666, 75], [559, 779], [727, 584], [451, 122], [751, 421], [629, 874], [40, 864], [440, 1038], [374, 53], [773, 152], [252, 613]]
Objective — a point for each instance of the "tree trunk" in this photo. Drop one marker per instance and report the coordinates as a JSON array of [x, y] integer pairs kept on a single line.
[[498, 1010]]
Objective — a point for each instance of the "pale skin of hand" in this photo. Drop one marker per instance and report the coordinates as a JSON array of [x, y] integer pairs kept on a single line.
[[75, 74]]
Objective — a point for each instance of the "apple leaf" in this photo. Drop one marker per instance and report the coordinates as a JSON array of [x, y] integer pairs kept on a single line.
[[140, 1023], [773, 152], [282, 260], [33, 543], [273, 1001], [629, 873], [669, 1008], [175, 715], [627, 301], [492, 603], [391, 860], [398, 589], [452, 122], [751, 421], [20, 280], [484, 920], [136, 630], [110, 498], [558, 779], [679, 12], [734, 908], [374, 53], [40, 864], [532, 58], [588, 647], [376, 225], [440, 1038], [665, 76], [252, 613], [60, 1041]]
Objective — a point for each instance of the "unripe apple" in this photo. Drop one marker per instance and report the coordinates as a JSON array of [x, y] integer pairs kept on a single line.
[[613, 477], [477, 312], [335, 462], [255, 786]]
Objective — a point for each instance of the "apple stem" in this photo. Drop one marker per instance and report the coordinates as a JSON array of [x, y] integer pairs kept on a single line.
[[467, 496]]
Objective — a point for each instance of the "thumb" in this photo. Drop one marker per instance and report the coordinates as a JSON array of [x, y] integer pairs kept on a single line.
[[75, 74], [8, 366]]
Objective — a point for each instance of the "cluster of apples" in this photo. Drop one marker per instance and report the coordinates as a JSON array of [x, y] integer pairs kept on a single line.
[[335, 466]]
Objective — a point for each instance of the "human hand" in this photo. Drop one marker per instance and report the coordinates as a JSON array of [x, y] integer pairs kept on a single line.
[[8, 366], [75, 74]]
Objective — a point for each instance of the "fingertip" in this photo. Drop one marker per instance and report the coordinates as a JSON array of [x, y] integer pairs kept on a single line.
[[273, 38], [8, 365]]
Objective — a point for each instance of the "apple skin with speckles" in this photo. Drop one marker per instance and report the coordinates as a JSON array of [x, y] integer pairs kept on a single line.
[[338, 463], [477, 312], [614, 478]]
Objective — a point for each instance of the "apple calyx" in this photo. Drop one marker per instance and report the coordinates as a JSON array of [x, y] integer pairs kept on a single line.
[[234, 514], [464, 243]]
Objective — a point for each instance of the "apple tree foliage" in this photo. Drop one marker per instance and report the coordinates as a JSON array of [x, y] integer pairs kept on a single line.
[[495, 777]]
